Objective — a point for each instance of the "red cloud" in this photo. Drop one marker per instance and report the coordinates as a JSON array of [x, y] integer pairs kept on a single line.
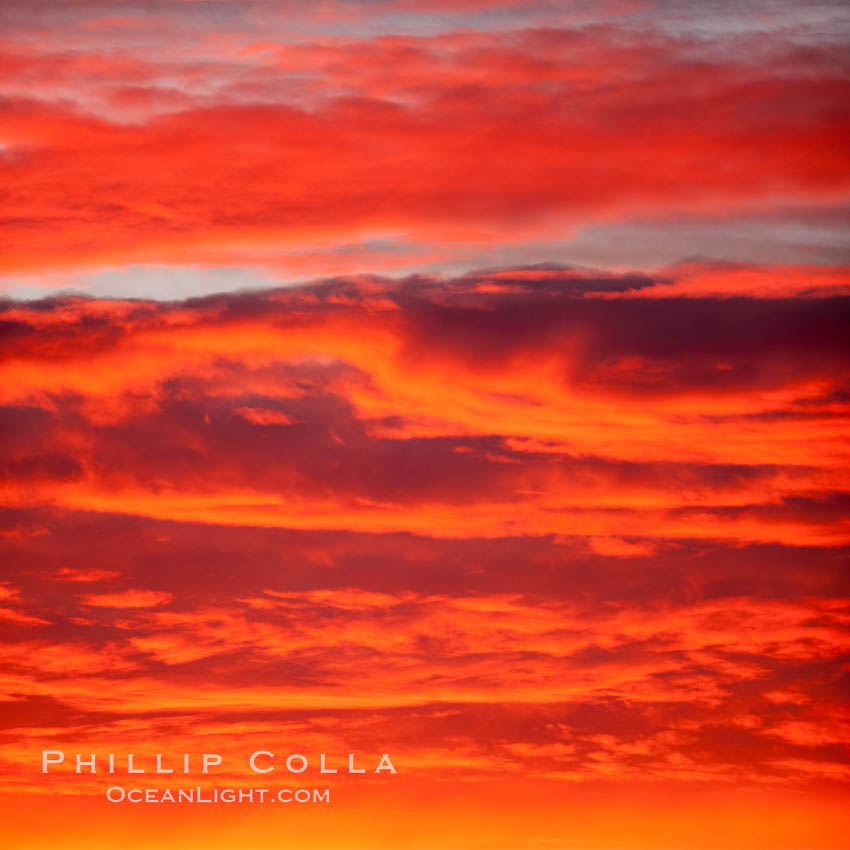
[[551, 404], [531, 529], [430, 152], [84, 575], [128, 599]]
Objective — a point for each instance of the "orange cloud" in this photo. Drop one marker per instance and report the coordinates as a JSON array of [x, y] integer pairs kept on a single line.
[[568, 542], [381, 407], [128, 599], [250, 176], [84, 575]]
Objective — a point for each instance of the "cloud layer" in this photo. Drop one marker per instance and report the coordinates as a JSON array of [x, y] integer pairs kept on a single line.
[[604, 515], [505, 430], [331, 150]]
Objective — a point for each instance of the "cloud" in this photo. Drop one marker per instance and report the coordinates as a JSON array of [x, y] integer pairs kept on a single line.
[[19, 617], [533, 487], [688, 686], [569, 542], [268, 154], [8, 592], [82, 574], [128, 599], [542, 401]]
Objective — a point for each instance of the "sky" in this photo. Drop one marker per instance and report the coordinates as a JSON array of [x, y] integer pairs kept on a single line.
[[464, 380]]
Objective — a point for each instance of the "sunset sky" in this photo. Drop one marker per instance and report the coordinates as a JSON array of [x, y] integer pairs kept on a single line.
[[465, 380]]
